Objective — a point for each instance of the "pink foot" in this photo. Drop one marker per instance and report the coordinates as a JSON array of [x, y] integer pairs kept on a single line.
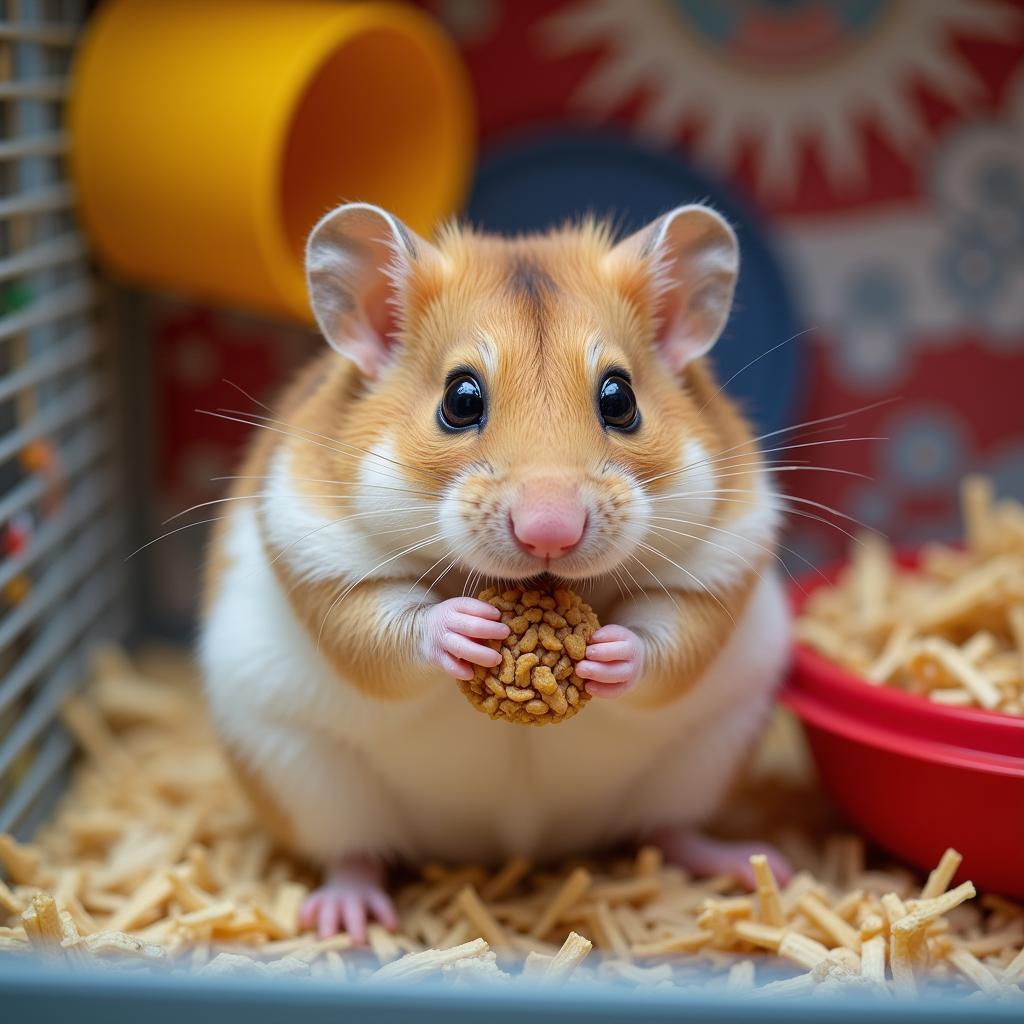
[[353, 890], [703, 855]]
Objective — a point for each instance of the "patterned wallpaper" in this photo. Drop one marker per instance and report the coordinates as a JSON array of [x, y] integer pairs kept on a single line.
[[880, 146]]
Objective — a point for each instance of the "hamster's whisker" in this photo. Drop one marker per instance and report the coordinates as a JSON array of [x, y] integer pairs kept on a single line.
[[798, 426], [791, 467], [821, 420], [334, 483], [617, 576], [245, 421], [245, 394], [274, 414], [284, 433], [756, 359], [402, 529], [171, 533], [703, 540], [728, 460], [763, 451], [444, 572], [789, 511], [227, 515], [817, 422], [745, 460], [369, 572], [786, 448], [792, 498], [636, 588], [654, 576], [255, 419], [764, 547], [700, 583], [736, 536], [344, 519], [429, 568], [271, 494]]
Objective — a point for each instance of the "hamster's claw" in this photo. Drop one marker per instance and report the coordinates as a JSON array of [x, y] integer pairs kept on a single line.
[[353, 892], [704, 856]]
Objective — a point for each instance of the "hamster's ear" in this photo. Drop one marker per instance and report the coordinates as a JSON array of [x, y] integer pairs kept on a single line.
[[692, 261], [358, 262]]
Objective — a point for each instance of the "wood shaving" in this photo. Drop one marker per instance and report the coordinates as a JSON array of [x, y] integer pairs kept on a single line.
[[952, 629], [165, 866]]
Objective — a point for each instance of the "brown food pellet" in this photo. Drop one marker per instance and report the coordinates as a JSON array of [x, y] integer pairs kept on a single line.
[[536, 682]]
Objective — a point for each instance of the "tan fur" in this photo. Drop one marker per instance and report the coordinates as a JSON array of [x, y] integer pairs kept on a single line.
[[363, 746], [538, 301], [702, 625]]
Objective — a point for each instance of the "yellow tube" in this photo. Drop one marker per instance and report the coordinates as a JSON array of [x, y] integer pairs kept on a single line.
[[208, 136]]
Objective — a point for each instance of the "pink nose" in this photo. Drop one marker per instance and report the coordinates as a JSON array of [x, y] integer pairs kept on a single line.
[[548, 530]]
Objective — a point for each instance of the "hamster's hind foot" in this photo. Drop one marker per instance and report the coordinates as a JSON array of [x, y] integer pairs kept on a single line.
[[702, 855], [353, 891]]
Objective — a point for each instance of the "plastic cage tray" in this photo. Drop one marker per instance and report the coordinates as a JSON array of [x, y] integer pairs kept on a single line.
[[37, 994]]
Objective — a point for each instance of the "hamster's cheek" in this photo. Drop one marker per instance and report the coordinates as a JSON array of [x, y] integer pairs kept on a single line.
[[686, 490]]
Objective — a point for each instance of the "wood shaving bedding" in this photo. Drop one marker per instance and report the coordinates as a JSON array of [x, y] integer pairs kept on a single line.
[[952, 629], [154, 860]]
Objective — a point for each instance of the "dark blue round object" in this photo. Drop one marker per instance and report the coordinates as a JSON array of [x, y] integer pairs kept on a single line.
[[534, 183]]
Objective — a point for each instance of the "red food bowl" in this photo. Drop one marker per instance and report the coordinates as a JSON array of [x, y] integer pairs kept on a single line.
[[913, 775]]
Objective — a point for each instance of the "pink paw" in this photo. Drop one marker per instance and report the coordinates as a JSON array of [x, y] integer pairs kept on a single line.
[[613, 663], [454, 627], [703, 855], [349, 896]]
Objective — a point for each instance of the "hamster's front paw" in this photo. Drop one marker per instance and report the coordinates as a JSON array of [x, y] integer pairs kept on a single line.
[[453, 629], [613, 663]]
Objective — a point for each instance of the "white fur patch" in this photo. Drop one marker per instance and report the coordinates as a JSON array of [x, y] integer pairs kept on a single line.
[[741, 545], [593, 355], [378, 514], [488, 356], [696, 552], [275, 700], [416, 777]]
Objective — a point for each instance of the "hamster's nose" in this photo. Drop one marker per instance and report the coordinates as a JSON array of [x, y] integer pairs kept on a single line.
[[548, 529]]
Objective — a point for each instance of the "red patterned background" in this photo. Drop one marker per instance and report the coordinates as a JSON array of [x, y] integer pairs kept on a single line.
[[882, 144]]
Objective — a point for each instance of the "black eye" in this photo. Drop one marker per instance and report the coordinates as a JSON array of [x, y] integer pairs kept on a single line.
[[617, 403], [463, 403]]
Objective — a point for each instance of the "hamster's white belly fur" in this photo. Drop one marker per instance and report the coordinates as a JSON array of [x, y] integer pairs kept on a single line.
[[433, 778]]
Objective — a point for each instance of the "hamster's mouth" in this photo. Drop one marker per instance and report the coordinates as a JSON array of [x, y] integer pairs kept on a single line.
[[544, 581]]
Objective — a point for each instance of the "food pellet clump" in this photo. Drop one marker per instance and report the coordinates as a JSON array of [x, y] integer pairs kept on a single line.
[[536, 682]]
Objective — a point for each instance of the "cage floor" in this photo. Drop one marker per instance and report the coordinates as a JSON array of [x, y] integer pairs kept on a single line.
[[154, 860]]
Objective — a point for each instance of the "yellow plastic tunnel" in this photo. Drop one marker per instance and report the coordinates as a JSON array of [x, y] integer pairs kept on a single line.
[[208, 136]]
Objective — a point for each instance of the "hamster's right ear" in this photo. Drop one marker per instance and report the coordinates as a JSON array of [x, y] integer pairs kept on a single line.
[[358, 262]]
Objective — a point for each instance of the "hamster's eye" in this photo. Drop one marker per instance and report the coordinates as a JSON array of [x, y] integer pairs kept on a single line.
[[463, 403], [617, 403]]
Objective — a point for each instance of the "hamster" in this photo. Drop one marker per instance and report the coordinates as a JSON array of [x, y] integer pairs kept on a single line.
[[489, 410]]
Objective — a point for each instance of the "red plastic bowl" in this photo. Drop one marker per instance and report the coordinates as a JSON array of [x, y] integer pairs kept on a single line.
[[914, 775]]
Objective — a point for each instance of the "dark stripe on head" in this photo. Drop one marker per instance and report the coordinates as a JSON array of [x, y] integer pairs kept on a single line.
[[532, 281]]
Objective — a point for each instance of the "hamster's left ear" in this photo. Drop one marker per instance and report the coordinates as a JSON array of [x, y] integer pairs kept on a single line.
[[692, 261], [359, 259]]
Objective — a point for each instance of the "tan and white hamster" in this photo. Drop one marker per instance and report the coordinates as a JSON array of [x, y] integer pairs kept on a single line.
[[494, 409]]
